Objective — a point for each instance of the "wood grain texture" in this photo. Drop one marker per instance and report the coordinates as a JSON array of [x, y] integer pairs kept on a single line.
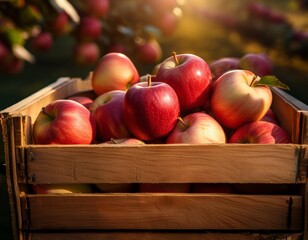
[[304, 129], [288, 114], [62, 88], [165, 211], [212, 163], [162, 236]]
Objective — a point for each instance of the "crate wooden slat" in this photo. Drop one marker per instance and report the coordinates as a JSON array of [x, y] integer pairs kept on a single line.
[[239, 163], [288, 112], [162, 236], [165, 211], [62, 88]]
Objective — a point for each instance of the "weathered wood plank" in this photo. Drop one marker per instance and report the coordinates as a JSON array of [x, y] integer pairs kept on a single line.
[[288, 114], [212, 163], [163, 236], [62, 88], [165, 211], [304, 134]]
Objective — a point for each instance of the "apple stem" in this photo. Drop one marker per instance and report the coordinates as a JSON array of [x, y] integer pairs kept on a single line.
[[181, 121], [112, 140], [253, 81], [43, 110], [175, 58], [149, 80]]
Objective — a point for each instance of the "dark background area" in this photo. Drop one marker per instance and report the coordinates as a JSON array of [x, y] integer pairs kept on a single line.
[[207, 39]]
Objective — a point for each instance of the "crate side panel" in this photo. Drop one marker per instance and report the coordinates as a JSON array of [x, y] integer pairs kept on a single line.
[[304, 130], [287, 114], [162, 236], [32, 105], [165, 211], [7, 128], [232, 163]]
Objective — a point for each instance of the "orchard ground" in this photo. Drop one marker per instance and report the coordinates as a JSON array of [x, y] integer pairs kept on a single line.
[[205, 39]]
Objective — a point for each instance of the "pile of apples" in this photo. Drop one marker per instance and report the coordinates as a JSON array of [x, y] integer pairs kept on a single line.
[[180, 102]]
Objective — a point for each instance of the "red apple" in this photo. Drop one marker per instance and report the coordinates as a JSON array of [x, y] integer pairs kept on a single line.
[[148, 51], [61, 188], [236, 99], [164, 187], [115, 71], [190, 77], [60, 24], [222, 65], [86, 53], [125, 141], [64, 122], [197, 128], [89, 29], [151, 110], [260, 132], [258, 63], [107, 110], [42, 42], [85, 101]]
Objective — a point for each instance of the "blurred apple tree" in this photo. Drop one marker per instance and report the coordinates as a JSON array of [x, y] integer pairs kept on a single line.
[[30, 27]]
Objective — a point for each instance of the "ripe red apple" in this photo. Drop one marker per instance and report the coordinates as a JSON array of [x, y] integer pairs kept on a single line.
[[197, 128], [89, 29], [237, 99], [151, 109], [148, 51], [107, 110], [260, 132], [61, 188], [64, 122], [190, 76], [84, 100], [115, 71], [86, 53], [164, 187], [130, 140], [258, 63], [42, 42], [60, 24], [222, 65]]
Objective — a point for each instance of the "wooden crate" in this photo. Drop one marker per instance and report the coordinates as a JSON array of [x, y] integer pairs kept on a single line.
[[277, 214]]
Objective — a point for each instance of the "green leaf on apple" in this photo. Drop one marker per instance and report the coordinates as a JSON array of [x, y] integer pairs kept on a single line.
[[271, 81]]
